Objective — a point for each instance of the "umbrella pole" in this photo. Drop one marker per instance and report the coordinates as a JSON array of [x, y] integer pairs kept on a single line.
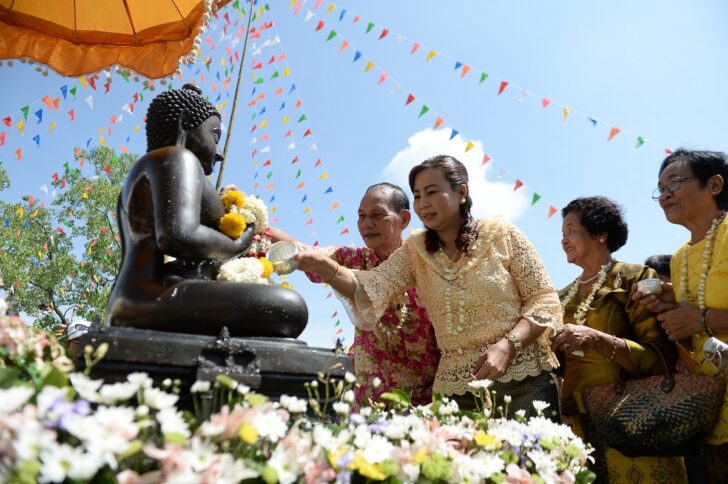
[[235, 100]]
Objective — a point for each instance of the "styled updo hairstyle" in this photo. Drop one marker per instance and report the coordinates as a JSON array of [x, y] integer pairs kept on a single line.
[[456, 174], [600, 215], [163, 116], [704, 165]]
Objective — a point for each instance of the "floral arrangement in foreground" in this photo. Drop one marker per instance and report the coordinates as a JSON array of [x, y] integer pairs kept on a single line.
[[85, 430]]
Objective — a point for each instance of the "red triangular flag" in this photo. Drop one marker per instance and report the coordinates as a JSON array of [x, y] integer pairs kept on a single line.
[[502, 87], [486, 159], [668, 151], [19, 153], [298, 103], [545, 102], [518, 185], [318, 162], [72, 114], [309, 222], [8, 122], [308, 132], [295, 160], [410, 98], [320, 25], [613, 132], [2, 138], [415, 46], [300, 185], [383, 34], [92, 83], [267, 163], [288, 133]]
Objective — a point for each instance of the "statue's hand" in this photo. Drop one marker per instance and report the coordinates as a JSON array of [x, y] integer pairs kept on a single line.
[[243, 242]]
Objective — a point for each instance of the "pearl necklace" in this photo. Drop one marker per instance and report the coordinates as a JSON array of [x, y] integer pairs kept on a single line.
[[453, 276], [583, 308], [707, 256]]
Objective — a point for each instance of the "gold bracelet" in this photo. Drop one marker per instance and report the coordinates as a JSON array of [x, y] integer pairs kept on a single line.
[[336, 273], [517, 345]]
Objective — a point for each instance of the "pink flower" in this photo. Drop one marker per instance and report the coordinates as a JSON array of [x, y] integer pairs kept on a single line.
[[516, 475], [171, 457]]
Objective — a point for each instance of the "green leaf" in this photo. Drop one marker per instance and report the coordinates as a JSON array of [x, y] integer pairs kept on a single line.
[[9, 376]]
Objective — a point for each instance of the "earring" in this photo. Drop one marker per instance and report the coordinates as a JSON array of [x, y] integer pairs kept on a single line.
[[601, 240], [462, 201]]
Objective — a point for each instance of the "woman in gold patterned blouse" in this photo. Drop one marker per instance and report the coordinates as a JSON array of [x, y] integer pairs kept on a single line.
[[486, 290], [605, 331]]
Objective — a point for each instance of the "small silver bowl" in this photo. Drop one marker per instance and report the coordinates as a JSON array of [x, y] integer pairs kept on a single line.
[[281, 256], [649, 286]]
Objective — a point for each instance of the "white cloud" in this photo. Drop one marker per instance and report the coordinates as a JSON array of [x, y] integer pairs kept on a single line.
[[490, 198]]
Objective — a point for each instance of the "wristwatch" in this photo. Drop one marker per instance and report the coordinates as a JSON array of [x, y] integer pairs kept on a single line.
[[517, 345]]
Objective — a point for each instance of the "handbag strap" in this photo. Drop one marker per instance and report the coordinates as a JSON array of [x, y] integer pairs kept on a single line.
[[667, 384]]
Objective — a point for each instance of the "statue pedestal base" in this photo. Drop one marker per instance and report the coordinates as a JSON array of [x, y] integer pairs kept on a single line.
[[272, 366]]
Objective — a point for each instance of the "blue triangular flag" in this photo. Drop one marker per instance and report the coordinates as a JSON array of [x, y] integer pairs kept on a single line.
[[593, 121], [36, 138], [128, 138], [453, 134], [88, 142], [217, 74], [253, 92], [357, 55], [283, 105], [305, 197], [293, 88], [218, 98], [341, 17], [39, 113], [7, 222], [329, 190], [271, 199], [262, 111], [256, 175], [64, 90], [458, 65]]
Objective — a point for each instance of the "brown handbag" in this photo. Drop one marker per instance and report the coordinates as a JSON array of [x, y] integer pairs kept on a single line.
[[660, 416]]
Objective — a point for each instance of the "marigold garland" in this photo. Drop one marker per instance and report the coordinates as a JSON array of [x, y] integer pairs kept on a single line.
[[232, 225], [233, 197]]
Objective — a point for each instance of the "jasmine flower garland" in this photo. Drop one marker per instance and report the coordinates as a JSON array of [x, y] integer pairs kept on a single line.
[[583, 308], [707, 256]]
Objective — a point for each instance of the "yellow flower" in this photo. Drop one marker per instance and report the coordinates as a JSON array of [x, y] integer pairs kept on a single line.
[[420, 456], [267, 267], [286, 285], [248, 433], [486, 440], [232, 225], [372, 471], [233, 197]]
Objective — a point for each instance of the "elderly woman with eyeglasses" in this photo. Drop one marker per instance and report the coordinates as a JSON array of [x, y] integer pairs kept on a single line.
[[692, 192]]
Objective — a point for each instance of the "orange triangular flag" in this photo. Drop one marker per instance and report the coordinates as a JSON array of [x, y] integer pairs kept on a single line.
[[300, 185], [345, 231], [415, 46], [344, 44], [466, 69], [502, 87], [552, 211], [335, 206], [613, 132], [438, 122]]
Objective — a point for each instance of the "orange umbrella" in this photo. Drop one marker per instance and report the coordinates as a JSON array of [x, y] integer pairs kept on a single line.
[[77, 37]]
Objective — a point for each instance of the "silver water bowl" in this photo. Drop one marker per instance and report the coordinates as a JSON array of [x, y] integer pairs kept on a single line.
[[281, 256]]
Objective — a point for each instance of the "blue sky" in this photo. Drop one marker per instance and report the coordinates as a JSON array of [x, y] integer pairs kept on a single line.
[[653, 69]]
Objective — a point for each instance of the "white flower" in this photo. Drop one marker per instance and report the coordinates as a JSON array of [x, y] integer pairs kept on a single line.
[[142, 411], [209, 429], [293, 404], [159, 399], [376, 382], [271, 425], [3, 307], [545, 464], [227, 470], [48, 396], [491, 463], [172, 422], [377, 450], [200, 456], [348, 396], [342, 408], [507, 398], [349, 377], [242, 389], [86, 388], [521, 413], [117, 392], [244, 269], [284, 462], [141, 380], [314, 384], [478, 384], [14, 397], [323, 437], [365, 411], [540, 406], [200, 386]]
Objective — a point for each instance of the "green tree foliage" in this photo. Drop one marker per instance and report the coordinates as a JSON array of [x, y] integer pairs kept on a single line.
[[62, 258]]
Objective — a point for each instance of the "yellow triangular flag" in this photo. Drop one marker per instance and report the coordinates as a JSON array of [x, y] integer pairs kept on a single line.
[[263, 123], [293, 2], [21, 126], [20, 211], [566, 113], [469, 146], [222, 62], [285, 119], [273, 209], [324, 176], [136, 128], [286, 71], [85, 195], [255, 162], [82, 80], [369, 66], [52, 126], [102, 141], [330, 8], [430, 55], [308, 210], [34, 214], [101, 130]]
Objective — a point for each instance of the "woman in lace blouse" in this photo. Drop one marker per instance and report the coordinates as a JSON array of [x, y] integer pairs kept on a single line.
[[490, 300]]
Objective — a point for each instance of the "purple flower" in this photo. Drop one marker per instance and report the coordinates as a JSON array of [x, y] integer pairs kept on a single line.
[[357, 418], [344, 460], [61, 410], [343, 477], [379, 426]]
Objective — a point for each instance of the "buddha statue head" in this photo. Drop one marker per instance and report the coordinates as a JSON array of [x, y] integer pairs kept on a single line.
[[184, 117]]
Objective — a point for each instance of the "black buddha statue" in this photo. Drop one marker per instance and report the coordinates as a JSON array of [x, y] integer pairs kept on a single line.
[[169, 207]]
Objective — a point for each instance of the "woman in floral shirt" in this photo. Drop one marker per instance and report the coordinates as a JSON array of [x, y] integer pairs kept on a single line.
[[401, 351]]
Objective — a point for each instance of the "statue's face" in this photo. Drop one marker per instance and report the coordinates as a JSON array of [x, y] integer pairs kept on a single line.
[[203, 140]]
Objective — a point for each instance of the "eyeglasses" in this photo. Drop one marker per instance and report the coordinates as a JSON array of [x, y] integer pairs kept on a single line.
[[671, 186]]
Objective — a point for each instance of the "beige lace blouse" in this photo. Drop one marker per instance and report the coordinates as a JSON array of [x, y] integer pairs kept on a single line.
[[472, 303]]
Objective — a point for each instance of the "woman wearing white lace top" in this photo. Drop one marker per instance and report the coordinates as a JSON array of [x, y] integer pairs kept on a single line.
[[488, 295]]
